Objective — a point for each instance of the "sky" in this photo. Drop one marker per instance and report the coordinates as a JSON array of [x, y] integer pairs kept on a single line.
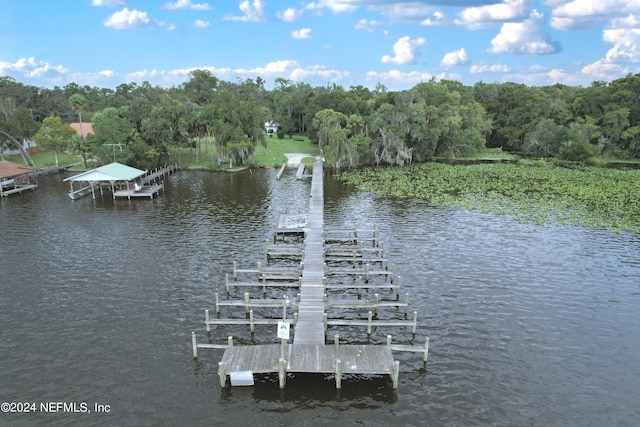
[[399, 44]]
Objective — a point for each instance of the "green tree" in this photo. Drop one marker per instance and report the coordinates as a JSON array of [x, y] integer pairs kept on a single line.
[[201, 87], [54, 135], [333, 139], [113, 135]]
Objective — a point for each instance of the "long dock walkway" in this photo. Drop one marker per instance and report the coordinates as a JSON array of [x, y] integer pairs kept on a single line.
[[310, 326], [308, 352]]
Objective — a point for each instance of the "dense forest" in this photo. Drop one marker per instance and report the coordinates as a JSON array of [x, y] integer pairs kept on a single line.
[[152, 125]]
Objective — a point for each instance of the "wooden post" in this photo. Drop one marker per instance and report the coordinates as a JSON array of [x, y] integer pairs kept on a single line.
[[338, 374], [406, 302], [415, 322], [376, 300], [426, 349], [230, 341], [206, 320], [246, 302], [396, 373], [283, 345], [325, 319], [295, 318], [398, 288], [252, 326], [369, 324], [282, 374], [235, 267], [226, 282], [284, 308], [336, 340], [388, 339], [194, 345], [222, 374], [217, 303], [264, 286]]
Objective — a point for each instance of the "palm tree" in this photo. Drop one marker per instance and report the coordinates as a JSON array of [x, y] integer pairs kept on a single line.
[[78, 103]]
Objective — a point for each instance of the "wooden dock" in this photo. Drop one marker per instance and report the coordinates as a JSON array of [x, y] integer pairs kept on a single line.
[[17, 189], [151, 184], [336, 261], [310, 326]]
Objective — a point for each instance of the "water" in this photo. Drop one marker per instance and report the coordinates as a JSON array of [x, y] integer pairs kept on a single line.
[[528, 325]]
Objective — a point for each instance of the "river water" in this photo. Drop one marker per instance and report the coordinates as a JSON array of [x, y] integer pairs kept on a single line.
[[528, 325]]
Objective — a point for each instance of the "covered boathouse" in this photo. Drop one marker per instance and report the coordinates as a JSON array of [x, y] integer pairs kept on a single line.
[[121, 180], [14, 178]]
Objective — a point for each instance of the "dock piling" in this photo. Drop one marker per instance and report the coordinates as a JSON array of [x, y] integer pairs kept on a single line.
[[282, 373], [194, 345], [222, 374], [396, 373]]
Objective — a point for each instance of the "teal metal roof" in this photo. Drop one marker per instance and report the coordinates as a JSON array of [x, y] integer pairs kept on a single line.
[[111, 172]]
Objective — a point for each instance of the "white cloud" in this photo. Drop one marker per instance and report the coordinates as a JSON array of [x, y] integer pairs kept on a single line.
[[630, 21], [301, 34], [457, 57], [364, 25], [525, 38], [336, 6], [202, 24], [186, 4], [577, 14], [626, 45], [486, 68], [405, 50], [126, 19], [288, 69], [398, 77], [437, 18], [406, 11], [290, 15], [483, 16], [603, 70], [30, 68], [109, 3], [300, 74], [252, 12]]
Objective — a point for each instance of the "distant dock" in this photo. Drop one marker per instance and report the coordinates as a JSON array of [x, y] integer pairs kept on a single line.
[[329, 265]]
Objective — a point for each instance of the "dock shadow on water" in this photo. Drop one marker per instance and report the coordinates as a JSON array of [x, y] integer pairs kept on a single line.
[[528, 325]]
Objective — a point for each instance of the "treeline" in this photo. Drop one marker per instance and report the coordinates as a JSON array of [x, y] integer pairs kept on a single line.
[[145, 126]]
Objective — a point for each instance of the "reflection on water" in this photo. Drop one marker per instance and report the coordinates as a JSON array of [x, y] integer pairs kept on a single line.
[[528, 325]]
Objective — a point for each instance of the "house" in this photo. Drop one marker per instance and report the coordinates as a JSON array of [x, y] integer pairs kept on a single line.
[[87, 128], [27, 145], [271, 127]]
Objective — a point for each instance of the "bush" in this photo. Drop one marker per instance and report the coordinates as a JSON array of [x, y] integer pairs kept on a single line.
[[578, 152], [280, 134]]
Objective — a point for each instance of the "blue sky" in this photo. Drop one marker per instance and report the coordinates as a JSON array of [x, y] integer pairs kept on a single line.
[[105, 43]]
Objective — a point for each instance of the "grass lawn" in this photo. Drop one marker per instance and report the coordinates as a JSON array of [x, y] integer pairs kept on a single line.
[[271, 157], [47, 159]]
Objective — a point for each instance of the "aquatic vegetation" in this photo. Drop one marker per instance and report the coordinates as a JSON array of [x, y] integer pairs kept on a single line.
[[583, 196]]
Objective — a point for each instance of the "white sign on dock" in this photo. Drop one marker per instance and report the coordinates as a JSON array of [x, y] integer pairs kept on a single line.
[[241, 378], [283, 330]]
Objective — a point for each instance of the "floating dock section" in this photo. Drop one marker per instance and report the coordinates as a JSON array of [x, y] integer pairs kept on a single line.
[[342, 278]]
